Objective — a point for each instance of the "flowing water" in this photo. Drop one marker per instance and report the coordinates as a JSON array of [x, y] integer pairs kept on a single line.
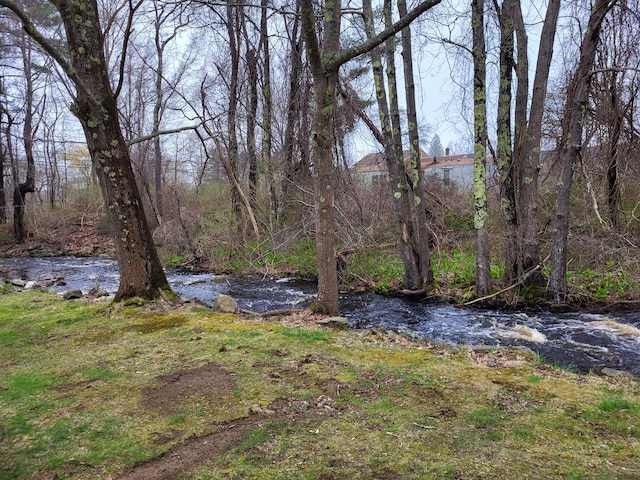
[[580, 341]]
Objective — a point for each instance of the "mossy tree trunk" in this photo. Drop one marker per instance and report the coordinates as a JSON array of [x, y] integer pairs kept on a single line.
[[141, 274], [504, 151], [570, 146], [483, 251], [325, 76]]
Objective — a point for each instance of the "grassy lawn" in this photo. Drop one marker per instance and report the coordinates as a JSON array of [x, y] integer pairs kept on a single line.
[[90, 391]]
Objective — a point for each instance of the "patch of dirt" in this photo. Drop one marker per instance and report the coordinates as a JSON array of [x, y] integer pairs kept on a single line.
[[213, 381], [195, 451], [209, 380], [67, 387]]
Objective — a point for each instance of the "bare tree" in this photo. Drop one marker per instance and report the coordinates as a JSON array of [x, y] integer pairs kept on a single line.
[[391, 140], [615, 88], [416, 183], [570, 146]]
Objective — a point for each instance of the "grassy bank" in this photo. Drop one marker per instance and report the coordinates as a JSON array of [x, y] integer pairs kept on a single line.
[[93, 392]]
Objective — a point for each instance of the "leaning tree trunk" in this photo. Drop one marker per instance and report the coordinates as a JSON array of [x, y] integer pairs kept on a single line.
[[483, 251], [575, 111], [141, 274]]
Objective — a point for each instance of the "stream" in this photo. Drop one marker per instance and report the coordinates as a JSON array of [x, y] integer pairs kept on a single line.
[[575, 340]]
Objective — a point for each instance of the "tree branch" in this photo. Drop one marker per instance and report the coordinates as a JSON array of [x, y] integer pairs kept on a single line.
[[456, 44], [33, 32], [161, 132], [387, 33], [125, 44], [360, 113]]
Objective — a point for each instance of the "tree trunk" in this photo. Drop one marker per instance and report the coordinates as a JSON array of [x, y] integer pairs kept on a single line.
[[141, 274], [29, 185], [325, 59], [615, 130], [3, 206], [570, 145], [398, 179], [416, 183], [252, 112], [504, 151], [157, 109], [233, 30], [293, 112], [393, 155], [267, 137], [483, 250], [325, 75], [529, 158]]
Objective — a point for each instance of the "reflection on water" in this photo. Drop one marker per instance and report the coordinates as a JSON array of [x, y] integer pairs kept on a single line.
[[580, 341]]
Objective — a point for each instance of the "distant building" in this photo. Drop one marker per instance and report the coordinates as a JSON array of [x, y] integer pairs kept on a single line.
[[450, 169]]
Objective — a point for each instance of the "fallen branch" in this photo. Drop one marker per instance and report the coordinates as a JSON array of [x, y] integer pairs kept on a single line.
[[510, 287], [272, 313], [164, 296]]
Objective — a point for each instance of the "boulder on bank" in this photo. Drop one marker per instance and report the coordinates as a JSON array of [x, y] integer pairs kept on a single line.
[[72, 295], [225, 304]]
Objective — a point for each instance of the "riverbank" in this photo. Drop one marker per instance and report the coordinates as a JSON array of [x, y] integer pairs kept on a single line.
[[85, 236], [150, 392]]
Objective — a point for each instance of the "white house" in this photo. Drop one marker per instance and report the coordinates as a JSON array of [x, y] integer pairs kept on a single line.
[[450, 169]]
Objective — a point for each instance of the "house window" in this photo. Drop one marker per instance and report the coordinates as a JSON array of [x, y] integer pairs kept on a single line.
[[377, 179], [446, 176]]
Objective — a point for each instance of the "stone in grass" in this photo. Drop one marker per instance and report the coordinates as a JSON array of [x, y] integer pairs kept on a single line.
[[72, 295], [339, 323], [225, 304]]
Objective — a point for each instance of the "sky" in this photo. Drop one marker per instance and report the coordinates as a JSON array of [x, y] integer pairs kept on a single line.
[[443, 76]]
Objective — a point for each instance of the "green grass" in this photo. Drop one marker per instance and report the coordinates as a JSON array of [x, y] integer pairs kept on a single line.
[[74, 377]]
